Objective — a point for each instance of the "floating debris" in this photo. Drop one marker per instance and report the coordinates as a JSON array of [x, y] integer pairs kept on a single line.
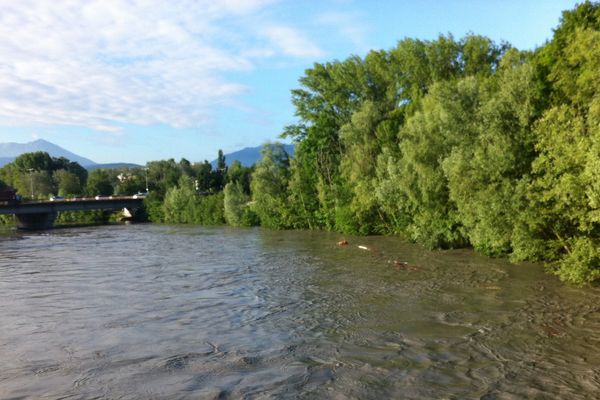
[[342, 243], [363, 247], [402, 265], [491, 287]]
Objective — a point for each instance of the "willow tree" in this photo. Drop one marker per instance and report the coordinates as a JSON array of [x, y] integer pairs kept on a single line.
[[483, 173], [269, 187], [328, 96], [235, 203], [563, 220]]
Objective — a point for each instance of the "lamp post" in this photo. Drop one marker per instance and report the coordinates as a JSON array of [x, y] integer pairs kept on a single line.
[[146, 171], [31, 180]]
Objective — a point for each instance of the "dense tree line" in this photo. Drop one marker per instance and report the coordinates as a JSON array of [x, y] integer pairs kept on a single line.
[[452, 143], [38, 175], [179, 192]]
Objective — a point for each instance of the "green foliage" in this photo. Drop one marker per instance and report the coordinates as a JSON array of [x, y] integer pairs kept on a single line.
[[203, 176], [67, 183], [182, 205], [302, 194], [455, 143], [163, 175], [99, 183], [559, 221], [429, 137], [62, 163], [240, 174], [483, 174], [37, 175], [582, 263], [269, 186], [37, 161], [154, 207], [236, 205], [210, 210]]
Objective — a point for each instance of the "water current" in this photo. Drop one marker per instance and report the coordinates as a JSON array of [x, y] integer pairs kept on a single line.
[[187, 312]]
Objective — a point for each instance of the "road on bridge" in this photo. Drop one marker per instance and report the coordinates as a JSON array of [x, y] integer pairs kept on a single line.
[[41, 214]]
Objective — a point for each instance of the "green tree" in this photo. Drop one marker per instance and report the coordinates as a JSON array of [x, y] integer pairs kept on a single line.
[[70, 166], [39, 182], [67, 183], [444, 122], [235, 203], [269, 186], [203, 174], [560, 220], [180, 204], [99, 183], [186, 167], [163, 175], [37, 161], [219, 174], [236, 172], [483, 175]]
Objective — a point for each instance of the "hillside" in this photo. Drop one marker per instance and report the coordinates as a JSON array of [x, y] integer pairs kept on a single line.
[[9, 151], [112, 166], [249, 155]]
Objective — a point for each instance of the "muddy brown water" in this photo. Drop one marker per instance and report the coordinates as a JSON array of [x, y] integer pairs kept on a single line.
[[180, 312]]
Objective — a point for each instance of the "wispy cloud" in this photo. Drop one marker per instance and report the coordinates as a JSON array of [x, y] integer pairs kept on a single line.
[[348, 25], [291, 42], [102, 64]]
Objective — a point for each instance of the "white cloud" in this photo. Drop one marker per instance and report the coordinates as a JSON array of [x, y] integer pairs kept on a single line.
[[101, 64], [348, 25], [291, 41]]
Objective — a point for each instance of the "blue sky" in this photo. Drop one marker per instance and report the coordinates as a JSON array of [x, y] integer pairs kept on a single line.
[[141, 80]]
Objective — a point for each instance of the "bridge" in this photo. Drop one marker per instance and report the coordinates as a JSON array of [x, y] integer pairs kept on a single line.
[[42, 214]]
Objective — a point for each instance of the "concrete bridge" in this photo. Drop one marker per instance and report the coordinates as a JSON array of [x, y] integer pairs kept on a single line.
[[41, 215]]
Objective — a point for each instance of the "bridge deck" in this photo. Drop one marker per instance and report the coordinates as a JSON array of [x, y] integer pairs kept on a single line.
[[78, 204]]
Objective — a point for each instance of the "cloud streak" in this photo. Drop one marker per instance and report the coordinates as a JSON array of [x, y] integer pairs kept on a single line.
[[291, 42], [103, 64]]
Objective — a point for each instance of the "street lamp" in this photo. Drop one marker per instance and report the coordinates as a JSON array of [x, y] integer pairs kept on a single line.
[[31, 180], [146, 171]]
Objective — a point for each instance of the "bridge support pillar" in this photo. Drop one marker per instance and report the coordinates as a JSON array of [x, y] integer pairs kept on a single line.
[[36, 221]]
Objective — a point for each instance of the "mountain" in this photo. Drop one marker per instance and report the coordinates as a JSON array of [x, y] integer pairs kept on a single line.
[[249, 155], [9, 151], [112, 166], [5, 160]]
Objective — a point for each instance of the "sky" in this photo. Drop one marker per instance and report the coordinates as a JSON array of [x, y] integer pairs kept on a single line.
[[141, 80]]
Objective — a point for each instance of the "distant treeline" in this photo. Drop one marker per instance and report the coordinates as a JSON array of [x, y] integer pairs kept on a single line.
[[450, 143]]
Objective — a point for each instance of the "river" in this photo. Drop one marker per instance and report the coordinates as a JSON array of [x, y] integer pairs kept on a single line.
[[187, 312]]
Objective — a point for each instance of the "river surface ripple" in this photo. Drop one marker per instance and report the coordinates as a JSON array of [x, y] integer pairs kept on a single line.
[[179, 312]]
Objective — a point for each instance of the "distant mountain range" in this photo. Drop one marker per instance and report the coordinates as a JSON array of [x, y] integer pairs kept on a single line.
[[10, 151], [249, 155], [112, 166]]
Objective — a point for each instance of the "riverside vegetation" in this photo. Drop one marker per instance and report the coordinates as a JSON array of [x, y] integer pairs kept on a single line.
[[447, 142]]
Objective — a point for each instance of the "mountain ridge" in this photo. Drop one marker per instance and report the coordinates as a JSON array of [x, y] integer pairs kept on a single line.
[[249, 155], [9, 151]]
